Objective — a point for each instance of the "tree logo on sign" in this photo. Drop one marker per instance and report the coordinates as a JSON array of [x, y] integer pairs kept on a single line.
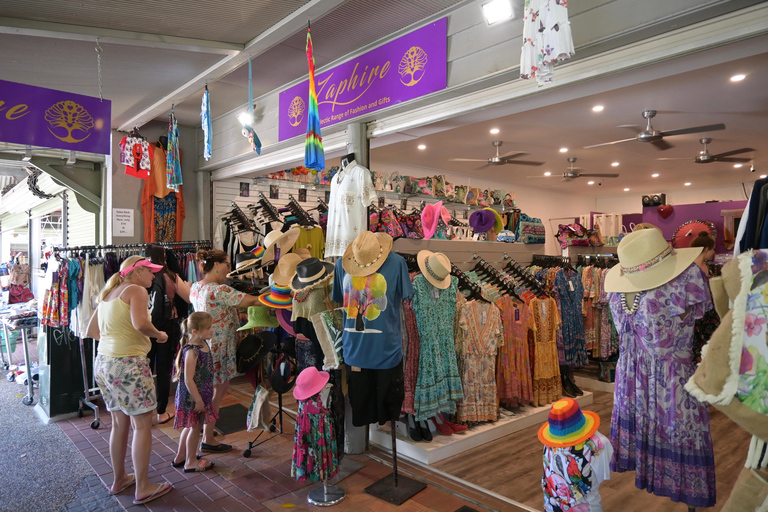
[[411, 67], [68, 116], [296, 111]]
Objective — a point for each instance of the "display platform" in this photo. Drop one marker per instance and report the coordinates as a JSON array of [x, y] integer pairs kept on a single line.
[[593, 384], [442, 447]]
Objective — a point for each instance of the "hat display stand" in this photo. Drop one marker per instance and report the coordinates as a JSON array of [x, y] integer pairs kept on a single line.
[[276, 423], [396, 489]]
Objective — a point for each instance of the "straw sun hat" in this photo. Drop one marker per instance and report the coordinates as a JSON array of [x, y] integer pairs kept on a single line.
[[366, 254], [647, 261], [436, 268]]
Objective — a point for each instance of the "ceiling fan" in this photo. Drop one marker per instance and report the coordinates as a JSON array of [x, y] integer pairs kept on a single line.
[[573, 173], [506, 158], [656, 137], [706, 158]]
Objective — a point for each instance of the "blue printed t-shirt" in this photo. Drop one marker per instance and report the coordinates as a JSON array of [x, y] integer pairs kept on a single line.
[[372, 337]]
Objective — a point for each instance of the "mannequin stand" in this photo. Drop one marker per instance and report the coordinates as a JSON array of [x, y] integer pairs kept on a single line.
[[327, 496], [399, 489]]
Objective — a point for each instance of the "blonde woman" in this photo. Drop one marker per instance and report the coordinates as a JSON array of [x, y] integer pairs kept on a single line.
[[123, 327]]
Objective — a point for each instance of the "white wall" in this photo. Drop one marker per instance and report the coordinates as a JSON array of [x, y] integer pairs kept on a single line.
[[633, 203]]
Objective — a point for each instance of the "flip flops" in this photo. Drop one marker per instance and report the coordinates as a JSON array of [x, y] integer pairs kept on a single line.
[[181, 464], [130, 483], [170, 417], [162, 490], [201, 466]]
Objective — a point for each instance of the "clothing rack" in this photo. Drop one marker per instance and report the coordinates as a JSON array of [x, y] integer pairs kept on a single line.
[[196, 244], [265, 209], [298, 211]]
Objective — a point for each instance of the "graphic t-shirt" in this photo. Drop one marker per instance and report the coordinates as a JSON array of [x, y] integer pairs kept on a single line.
[[372, 337]]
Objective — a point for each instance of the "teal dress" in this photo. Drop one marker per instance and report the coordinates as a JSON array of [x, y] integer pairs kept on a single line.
[[438, 386]]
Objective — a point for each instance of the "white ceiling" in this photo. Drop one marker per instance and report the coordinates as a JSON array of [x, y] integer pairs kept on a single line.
[[701, 97]]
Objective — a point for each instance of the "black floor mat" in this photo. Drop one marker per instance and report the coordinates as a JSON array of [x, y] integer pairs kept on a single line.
[[232, 418]]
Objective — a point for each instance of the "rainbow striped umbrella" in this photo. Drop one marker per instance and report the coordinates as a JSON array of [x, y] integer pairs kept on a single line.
[[314, 156]]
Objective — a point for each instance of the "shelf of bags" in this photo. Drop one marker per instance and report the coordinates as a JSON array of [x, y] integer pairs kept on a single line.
[[580, 249], [441, 447]]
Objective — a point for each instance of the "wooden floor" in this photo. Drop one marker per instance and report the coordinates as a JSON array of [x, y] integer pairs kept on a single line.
[[512, 466]]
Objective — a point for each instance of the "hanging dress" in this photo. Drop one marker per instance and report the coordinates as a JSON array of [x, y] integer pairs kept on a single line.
[[513, 369], [481, 323], [438, 386], [314, 444], [571, 293], [547, 386], [658, 430]]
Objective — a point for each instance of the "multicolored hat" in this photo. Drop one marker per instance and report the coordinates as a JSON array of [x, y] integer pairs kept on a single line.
[[568, 425], [277, 297]]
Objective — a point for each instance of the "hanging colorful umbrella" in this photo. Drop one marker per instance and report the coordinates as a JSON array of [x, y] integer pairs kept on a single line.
[[314, 156], [205, 114], [687, 231]]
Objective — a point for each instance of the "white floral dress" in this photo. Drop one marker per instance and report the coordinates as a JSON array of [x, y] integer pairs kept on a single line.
[[220, 301]]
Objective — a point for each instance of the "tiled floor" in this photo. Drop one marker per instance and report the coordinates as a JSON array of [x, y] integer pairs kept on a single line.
[[263, 481]]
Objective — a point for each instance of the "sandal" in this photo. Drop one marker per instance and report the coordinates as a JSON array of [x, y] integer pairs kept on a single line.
[[201, 466], [170, 417], [130, 483], [181, 464], [162, 490]]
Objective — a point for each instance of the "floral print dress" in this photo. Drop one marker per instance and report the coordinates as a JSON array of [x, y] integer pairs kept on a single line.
[[658, 430], [221, 302], [314, 444], [513, 367], [547, 386], [185, 403]]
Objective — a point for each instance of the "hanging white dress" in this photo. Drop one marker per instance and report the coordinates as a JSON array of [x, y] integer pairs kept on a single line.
[[547, 39], [351, 193]]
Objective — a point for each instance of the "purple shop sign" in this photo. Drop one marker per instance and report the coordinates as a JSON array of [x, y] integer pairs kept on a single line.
[[408, 67], [37, 116]]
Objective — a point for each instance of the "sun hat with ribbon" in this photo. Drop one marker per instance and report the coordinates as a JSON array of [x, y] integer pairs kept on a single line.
[[141, 263], [431, 215], [310, 382], [568, 425], [258, 316], [278, 297], [647, 261], [482, 220], [366, 254], [253, 349], [286, 269], [280, 243], [498, 224], [244, 263], [310, 272], [436, 268]]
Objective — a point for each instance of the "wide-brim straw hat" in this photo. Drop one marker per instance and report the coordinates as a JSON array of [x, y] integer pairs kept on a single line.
[[647, 261], [429, 217], [310, 382], [310, 272], [286, 269], [264, 255], [435, 267], [258, 316], [568, 425], [282, 241], [244, 263], [366, 254]]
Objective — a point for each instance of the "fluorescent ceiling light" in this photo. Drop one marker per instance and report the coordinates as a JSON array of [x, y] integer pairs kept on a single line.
[[615, 164], [626, 190], [494, 131], [687, 183], [738, 78], [737, 166], [547, 173], [590, 183], [422, 146], [655, 175], [497, 10], [563, 150], [597, 108]]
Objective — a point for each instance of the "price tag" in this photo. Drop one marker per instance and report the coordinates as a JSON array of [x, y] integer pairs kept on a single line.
[[570, 285], [517, 314]]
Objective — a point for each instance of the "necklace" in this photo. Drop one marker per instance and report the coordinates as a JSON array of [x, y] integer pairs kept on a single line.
[[635, 303]]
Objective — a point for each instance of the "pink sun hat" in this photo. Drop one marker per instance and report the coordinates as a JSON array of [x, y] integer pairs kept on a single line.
[[430, 216], [309, 383]]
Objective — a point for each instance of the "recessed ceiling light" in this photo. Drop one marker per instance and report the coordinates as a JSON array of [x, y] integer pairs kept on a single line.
[[737, 166], [590, 183], [626, 190], [547, 173], [497, 10], [738, 78], [563, 150], [615, 164], [597, 108], [655, 175], [687, 183], [422, 146], [763, 176], [494, 131]]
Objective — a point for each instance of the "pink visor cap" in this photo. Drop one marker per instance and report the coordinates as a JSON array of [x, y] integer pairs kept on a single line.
[[141, 263]]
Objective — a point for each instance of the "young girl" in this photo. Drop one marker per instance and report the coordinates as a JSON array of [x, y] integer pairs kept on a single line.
[[194, 394]]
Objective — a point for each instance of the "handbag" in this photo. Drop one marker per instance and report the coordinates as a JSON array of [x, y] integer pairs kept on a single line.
[[19, 294], [472, 195], [572, 234], [439, 185], [530, 230], [423, 186], [389, 224], [259, 413]]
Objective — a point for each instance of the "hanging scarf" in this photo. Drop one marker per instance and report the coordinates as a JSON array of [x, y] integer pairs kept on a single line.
[[314, 157], [173, 161], [205, 114]]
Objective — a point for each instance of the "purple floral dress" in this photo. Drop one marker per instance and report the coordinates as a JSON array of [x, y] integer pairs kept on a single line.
[[185, 403], [658, 429]]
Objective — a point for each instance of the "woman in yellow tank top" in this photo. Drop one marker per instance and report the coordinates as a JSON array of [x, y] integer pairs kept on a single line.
[[123, 327]]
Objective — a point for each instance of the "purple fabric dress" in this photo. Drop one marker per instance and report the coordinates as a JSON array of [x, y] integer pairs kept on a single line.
[[185, 403], [658, 429]]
